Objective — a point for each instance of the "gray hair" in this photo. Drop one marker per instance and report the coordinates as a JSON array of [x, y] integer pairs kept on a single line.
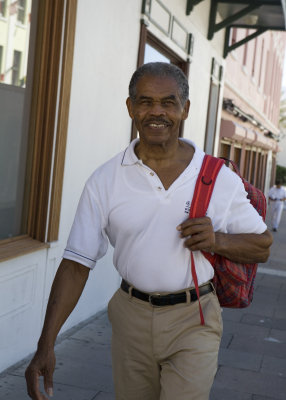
[[161, 69]]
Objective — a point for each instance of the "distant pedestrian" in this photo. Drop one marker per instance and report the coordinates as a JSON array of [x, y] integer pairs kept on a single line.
[[276, 196]]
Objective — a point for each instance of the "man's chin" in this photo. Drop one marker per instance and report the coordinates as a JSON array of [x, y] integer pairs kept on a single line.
[[156, 140], [156, 136]]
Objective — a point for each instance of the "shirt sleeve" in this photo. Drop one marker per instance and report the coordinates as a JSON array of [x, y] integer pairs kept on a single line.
[[87, 241], [242, 217], [230, 209]]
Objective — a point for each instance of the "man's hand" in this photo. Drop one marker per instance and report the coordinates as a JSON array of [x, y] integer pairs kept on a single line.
[[43, 364], [199, 234], [242, 247], [67, 287]]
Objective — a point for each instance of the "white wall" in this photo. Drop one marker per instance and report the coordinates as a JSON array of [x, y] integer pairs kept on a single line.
[[21, 288], [105, 56], [99, 126]]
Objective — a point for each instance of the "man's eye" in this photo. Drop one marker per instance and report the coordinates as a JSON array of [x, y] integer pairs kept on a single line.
[[168, 102], [146, 102]]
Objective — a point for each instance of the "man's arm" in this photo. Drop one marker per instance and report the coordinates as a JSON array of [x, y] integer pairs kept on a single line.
[[66, 290], [243, 248]]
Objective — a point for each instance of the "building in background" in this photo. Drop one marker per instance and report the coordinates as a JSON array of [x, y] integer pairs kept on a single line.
[[14, 41], [281, 156], [249, 131], [63, 114]]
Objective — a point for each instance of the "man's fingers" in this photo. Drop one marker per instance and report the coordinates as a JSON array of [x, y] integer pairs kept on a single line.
[[196, 230], [194, 222], [198, 242], [195, 226], [43, 364], [32, 379], [48, 382]]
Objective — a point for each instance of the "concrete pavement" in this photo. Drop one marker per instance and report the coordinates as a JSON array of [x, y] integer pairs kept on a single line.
[[252, 359]]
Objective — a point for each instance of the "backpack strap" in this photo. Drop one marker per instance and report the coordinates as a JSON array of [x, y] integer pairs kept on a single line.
[[201, 198], [205, 185]]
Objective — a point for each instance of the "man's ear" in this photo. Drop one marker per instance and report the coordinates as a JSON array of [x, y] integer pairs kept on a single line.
[[129, 107], [186, 110]]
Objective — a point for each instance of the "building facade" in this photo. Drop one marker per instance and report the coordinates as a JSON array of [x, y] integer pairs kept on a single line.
[[249, 132], [65, 115]]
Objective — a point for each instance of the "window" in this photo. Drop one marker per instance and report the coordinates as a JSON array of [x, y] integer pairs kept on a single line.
[[21, 11], [3, 7], [258, 170], [253, 168], [233, 36], [152, 54], [254, 57], [16, 68], [246, 164], [28, 100], [261, 62], [14, 110], [237, 156], [225, 150], [151, 49], [214, 94], [245, 49]]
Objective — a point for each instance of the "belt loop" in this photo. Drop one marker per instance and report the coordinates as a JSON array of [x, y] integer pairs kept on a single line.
[[188, 297], [130, 291]]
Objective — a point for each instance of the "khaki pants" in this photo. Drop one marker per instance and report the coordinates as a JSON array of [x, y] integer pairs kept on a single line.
[[163, 352]]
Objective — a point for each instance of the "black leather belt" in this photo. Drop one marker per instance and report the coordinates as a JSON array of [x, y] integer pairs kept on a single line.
[[160, 300]]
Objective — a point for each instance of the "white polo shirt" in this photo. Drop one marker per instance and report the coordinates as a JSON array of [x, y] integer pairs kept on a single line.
[[125, 203]]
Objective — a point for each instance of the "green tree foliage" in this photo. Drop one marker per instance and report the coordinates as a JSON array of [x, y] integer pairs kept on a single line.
[[282, 117], [281, 174]]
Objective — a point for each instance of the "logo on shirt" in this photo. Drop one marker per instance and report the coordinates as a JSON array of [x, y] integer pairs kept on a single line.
[[187, 207]]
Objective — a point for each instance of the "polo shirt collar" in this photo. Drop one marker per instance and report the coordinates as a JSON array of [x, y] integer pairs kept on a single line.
[[130, 158]]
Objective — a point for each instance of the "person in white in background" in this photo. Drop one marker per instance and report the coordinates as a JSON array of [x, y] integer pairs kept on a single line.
[[276, 196]]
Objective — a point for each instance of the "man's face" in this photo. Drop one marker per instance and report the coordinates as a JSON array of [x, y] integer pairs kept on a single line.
[[157, 110]]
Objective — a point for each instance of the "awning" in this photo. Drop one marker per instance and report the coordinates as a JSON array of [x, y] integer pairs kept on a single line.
[[244, 135], [258, 15]]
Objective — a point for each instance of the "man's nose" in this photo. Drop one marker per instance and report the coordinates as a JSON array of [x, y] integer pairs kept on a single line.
[[157, 109]]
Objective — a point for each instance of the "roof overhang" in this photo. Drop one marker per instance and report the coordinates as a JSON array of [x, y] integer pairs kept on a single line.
[[257, 15], [233, 131]]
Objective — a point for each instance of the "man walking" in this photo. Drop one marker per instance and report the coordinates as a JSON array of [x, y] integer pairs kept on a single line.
[[276, 196], [138, 201]]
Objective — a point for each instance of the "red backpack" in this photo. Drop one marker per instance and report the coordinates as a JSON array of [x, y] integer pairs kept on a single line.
[[234, 282]]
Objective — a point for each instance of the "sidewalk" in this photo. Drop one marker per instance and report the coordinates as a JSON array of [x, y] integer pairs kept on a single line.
[[252, 359]]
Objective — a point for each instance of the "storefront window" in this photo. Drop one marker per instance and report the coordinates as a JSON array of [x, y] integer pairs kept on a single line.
[[15, 99]]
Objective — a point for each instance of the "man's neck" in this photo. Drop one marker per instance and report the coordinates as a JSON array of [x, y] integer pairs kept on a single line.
[[163, 155]]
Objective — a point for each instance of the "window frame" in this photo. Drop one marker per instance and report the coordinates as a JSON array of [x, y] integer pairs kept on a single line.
[[52, 73], [212, 118]]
